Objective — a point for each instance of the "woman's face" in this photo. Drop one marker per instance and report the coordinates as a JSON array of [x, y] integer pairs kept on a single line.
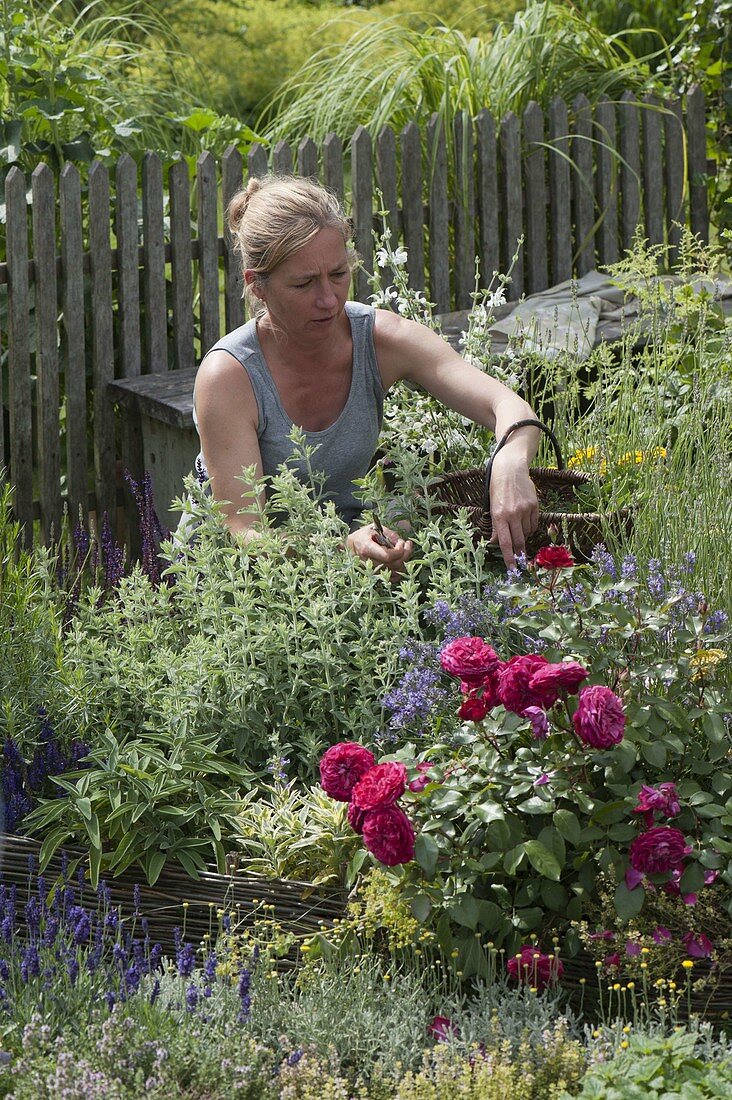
[[306, 293]]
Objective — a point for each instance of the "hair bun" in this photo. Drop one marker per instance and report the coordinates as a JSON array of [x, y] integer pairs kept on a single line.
[[240, 203]]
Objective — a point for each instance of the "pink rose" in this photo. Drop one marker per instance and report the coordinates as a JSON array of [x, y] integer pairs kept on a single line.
[[554, 557], [355, 818], [661, 934], [534, 968], [443, 1028], [548, 682], [658, 850], [661, 799], [389, 835], [470, 659], [599, 719], [420, 782], [513, 682], [611, 960], [698, 946], [341, 767], [381, 786]]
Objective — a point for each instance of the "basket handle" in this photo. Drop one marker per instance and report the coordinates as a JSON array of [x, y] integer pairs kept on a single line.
[[502, 443]]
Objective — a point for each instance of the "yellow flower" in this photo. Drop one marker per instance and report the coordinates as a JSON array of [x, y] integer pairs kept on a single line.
[[705, 661], [637, 458], [588, 457], [687, 964]]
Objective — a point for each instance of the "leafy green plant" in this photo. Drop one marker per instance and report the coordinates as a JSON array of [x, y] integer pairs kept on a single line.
[[656, 1067], [521, 813]]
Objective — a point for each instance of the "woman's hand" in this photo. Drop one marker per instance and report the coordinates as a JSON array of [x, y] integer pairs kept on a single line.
[[514, 507], [364, 543]]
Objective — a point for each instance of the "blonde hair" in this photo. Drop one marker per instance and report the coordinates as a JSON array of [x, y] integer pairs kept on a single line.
[[275, 216]]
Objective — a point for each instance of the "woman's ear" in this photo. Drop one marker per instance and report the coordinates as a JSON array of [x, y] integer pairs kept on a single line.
[[250, 278]]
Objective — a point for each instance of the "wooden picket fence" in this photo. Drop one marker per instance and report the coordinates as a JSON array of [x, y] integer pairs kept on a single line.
[[134, 274]]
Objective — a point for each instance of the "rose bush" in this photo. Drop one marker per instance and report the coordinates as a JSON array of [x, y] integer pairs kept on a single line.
[[595, 713]]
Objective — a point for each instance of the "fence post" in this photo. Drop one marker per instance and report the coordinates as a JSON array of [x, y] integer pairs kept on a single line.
[[439, 239], [464, 199], [333, 164], [560, 192], [696, 137], [489, 252], [362, 202], [180, 265], [19, 374], [652, 169], [537, 275], [412, 216], [232, 168], [208, 250], [100, 257], [512, 196], [606, 176], [47, 385], [630, 169], [582, 189], [153, 249]]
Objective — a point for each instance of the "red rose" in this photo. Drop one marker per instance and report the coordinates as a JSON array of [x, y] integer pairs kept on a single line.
[[697, 945], [554, 557], [599, 719], [389, 835], [534, 968], [549, 681], [658, 850], [341, 767], [470, 659], [473, 709], [355, 818], [381, 786], [514, 676]]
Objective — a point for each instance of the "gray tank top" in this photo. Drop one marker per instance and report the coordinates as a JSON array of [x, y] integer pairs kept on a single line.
[[346, 447]]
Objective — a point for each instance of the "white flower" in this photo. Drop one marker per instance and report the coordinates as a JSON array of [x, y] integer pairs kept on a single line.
[[399, 257], [497, 298], [382, 257]]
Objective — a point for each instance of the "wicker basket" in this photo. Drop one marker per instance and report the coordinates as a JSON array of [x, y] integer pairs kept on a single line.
[[555, 490]]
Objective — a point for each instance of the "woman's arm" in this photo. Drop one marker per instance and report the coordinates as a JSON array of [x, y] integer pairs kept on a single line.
[[226, 411], [407, 350]]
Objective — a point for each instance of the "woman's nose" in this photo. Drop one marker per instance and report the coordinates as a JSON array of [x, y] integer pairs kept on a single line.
[[326, 294]]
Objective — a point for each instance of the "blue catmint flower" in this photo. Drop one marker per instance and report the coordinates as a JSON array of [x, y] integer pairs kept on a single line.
[[80, 923], [72, 968], [656, 582], [209, 966], [294, 1057], [245, 1000], [33, 915], [688, 562], [50, 930], [111, 998], [604, 561], [155, 991], [715, 622], [191, 997], [629, 568]]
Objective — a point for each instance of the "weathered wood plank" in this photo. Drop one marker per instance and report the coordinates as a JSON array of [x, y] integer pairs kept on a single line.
[[47, 366], [232, 167], [128, 272], [439, 220], [130, 335], [386, 179], [696, 137], [464, 207], [333, 164], [153, 248], [100, 255], [512, 247], [19, 361], [560, 192], [537, 267], [73, 339], [282, 159], [606, 139], [487, 196], [412, 214], [257, 162], [630, 168], [362, 200], [674, 165], [208, 250], [653, 200], [583, 202], [180, 265], [307, 158]]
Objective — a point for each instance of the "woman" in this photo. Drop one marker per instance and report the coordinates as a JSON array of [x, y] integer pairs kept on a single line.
[[312, 358]]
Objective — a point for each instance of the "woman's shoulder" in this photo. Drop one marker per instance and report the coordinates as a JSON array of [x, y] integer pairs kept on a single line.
[[241, 342]]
